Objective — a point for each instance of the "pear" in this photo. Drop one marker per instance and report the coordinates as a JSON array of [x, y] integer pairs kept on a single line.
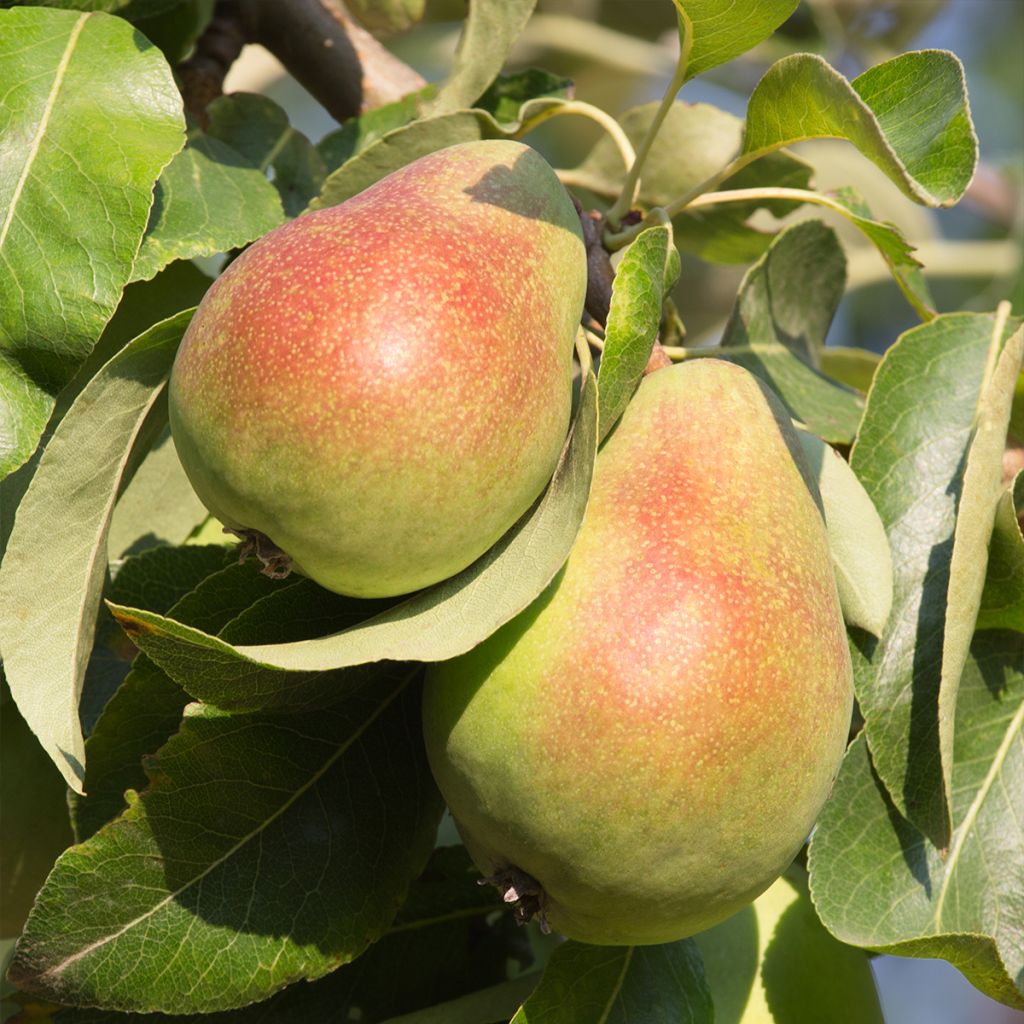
[[375, 392], [643, 751]]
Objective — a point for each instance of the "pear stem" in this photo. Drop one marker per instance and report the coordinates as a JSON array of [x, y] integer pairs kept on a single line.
[[581, 109], [631, 186], [616, 240]]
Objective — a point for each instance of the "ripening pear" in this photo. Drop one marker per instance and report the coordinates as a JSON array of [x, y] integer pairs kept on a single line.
[[642, 751], [382, 388]]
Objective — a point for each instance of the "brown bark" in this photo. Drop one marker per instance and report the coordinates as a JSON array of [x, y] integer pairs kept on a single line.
[[340, 63]]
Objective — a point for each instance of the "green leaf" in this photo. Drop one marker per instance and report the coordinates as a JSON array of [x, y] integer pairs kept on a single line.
[[409, 142], [55, 563], [695, 142], [774, 963], [778, 327], [1017, 414], [142, 304], [506, 95], [258, 129], [911, 455], [854, 367], [1002, 601], [397, 148], [908, 115], [35, 815], [91, 86], [208, 200], [193, 584], [336, 147], [646, 272], [856, 538], [490, 30], [720, 33], [975, 519], [176, 29], [132, 9], [893, 247], [620, 984], [266, 849], [721, 233], [878, 882], [433, 625], [157, 507], [790, 296], [440, 940]]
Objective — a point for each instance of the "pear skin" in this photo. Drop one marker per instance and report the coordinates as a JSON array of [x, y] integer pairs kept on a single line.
[[383, 387], [643, 751]]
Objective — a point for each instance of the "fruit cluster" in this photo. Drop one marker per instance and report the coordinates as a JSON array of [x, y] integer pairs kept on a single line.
[[374, 393]]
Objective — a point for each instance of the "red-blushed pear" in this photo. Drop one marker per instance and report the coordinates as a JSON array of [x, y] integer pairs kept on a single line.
[[642, 751], [380, 389]]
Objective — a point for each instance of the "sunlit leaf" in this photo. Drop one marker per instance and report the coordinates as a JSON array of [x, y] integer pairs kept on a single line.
[[878, 882], [89, 116]]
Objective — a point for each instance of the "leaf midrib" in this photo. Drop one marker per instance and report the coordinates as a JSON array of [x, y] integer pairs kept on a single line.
[[1013, 730], [37, 141]]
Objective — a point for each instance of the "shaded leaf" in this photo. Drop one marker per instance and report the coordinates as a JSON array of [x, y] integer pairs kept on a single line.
[[1002, 601], [359, 132], [208, 200], [89, 116], [854, 367], [157, 507], [620, 984], [774, 963], [265, 850], [131, 9], [719, 33], [778, 327], [908, 115], [176, 29], [506, 95], [146, 708], [35, 816], [975, 518], [397, 148], [791, 295], [487, 36], [648, 269], [878, 882], [438, 947], [856, 538], [911, 455], [258, 129], [408, 142], [496, 1003], [433, 625], [55, 563]]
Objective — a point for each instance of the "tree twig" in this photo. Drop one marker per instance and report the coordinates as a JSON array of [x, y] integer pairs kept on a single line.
[[201, 77], [339, 62]]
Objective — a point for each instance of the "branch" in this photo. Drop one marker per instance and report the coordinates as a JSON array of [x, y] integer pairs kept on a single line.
[[340, 63], [201, 77]]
